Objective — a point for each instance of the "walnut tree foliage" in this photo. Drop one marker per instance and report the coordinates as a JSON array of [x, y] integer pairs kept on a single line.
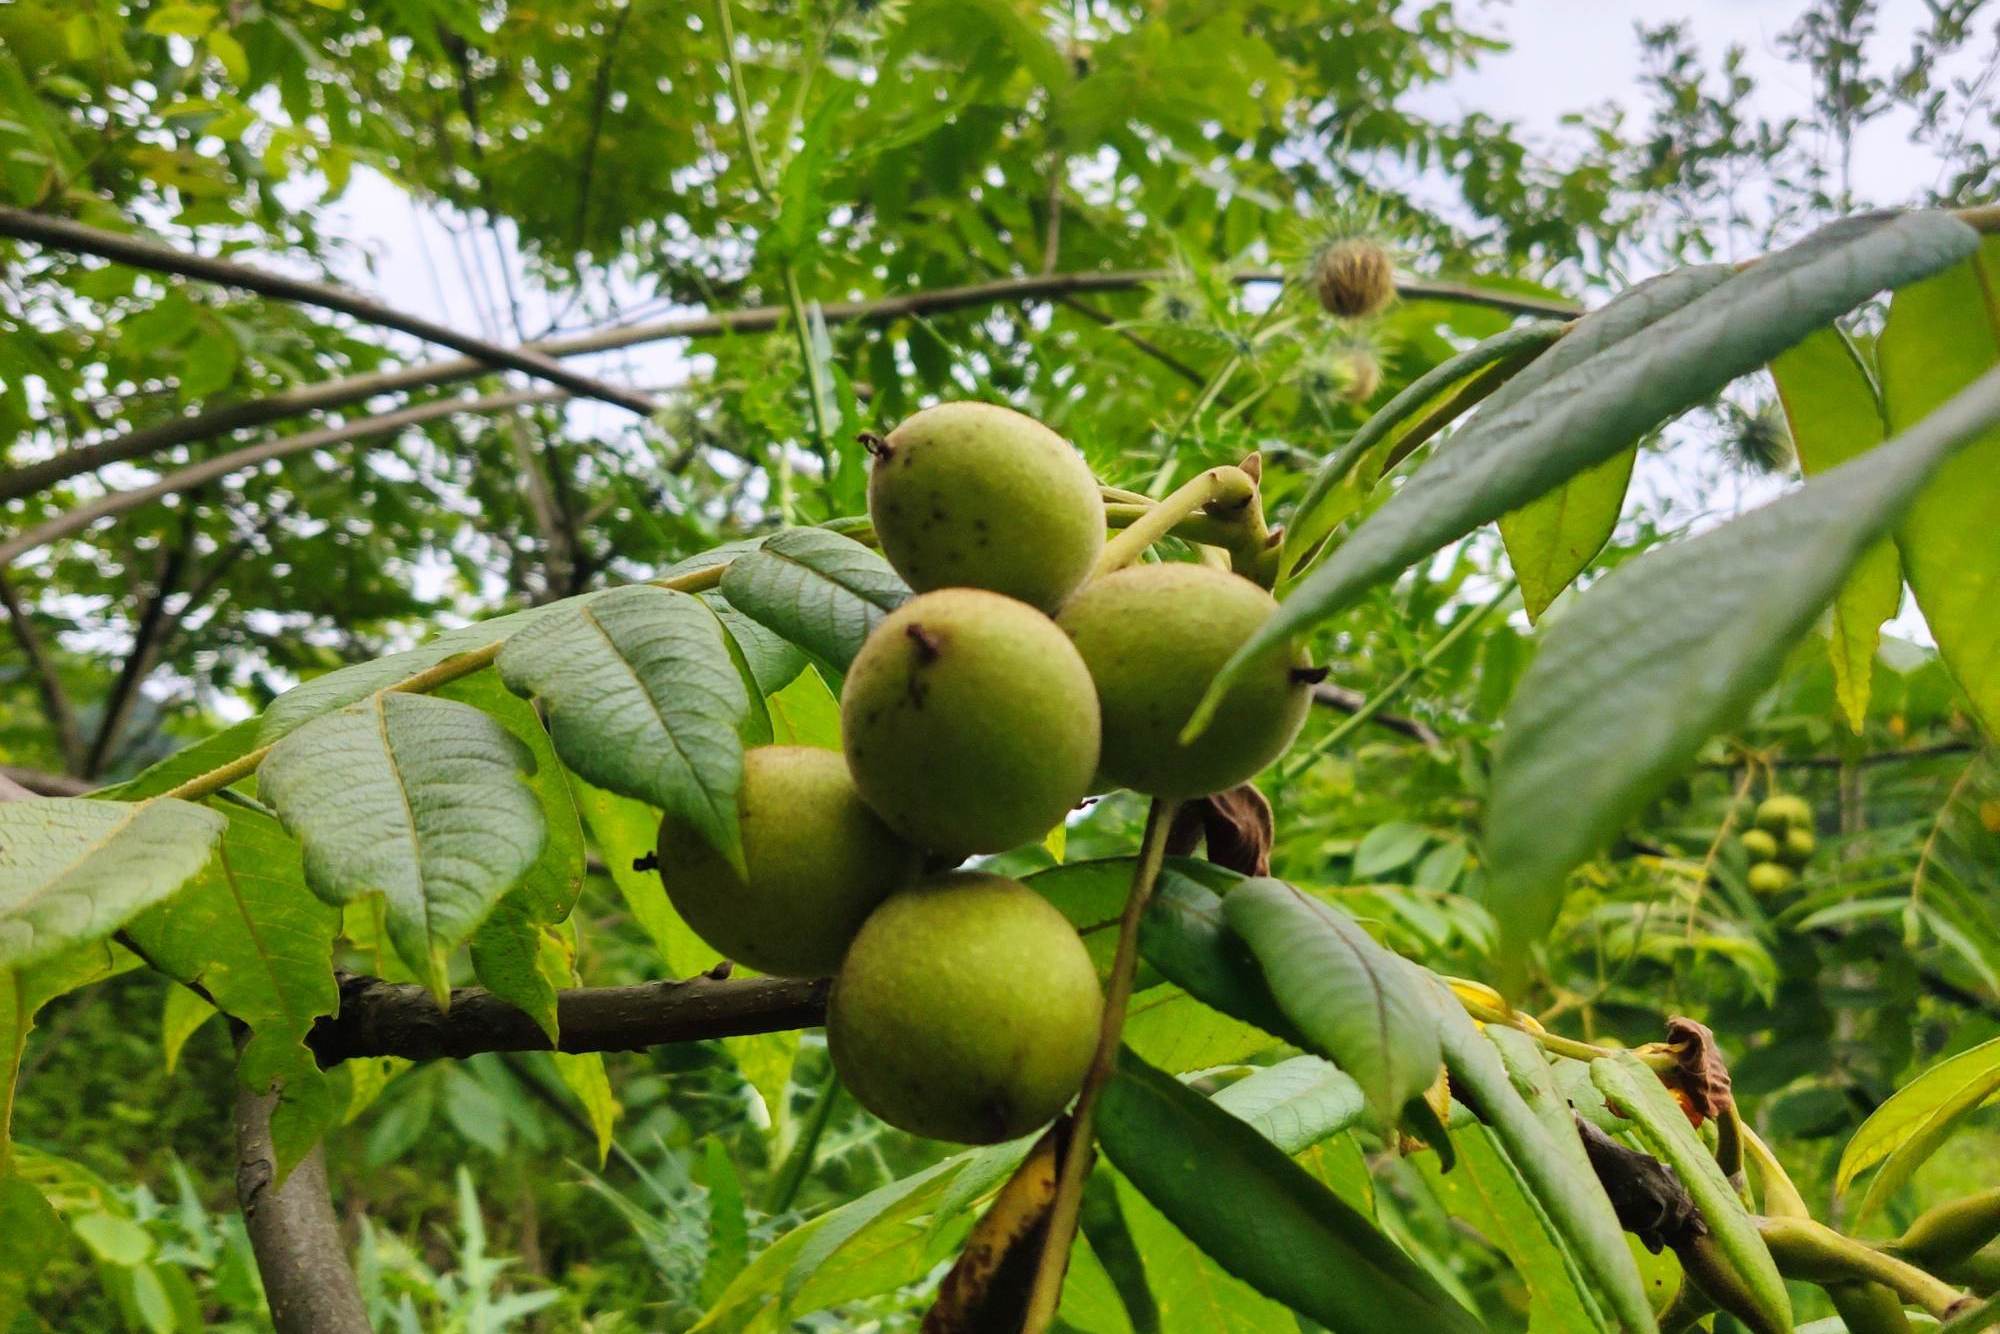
[[315, 740]]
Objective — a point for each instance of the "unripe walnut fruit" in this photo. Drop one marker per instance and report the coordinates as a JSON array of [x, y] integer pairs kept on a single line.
[[1770, 878], [1355, 278], [1759, 845], [1777, 814], [970, 722], [967, 1009], [819, 861], [1154, 637], [974, 495], [1798, 847]]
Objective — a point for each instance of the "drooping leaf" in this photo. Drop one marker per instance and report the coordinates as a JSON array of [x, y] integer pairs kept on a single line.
[[644, 699], [249, 932], [1185, 936], [625, 832], [1634, 1092], [417, 799], [1295, 1104], [1551, 539], [1909, 1126], [1191, 1289], [1357, 1003], [1525, 446], [182, 1013], [1668, 649], [988, 1286], [1274, 1226], [73, 870], [1529, 1120], [1835, 414], [819, 590], [1484, 1191], [1101, 1220], [805, 713], [1941, 335]]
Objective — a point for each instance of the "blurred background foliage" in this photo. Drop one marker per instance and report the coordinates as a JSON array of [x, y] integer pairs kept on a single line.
[[585, 165]]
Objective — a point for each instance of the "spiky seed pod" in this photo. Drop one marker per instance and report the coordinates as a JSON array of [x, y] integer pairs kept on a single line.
[[1761, 440], [1355, 278]]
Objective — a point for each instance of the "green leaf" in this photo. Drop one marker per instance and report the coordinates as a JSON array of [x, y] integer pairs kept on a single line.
[[1357, 1003], [728, 1229], [250, 933], [1191, 1290], [34, 1235], [1388, 847], [1634, 1092], [1313, 517], [1909, 1126], [1942, 335], [1551, 539], [1485, 1192], [182, 1014], [1835, 415], [1185, 936], [821, 591], [626, 831], [1295, 1104], [644, 699], [1101, 1220], [1528, 443], [583, 1074], [805, 713], [73, 870], [1670, 648], [1517, 1099], [771, 660], [417, 799], [1274, 1226]]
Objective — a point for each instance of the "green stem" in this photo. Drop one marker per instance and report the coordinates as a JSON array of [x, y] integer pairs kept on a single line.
[[1812, 1251], [798, 1163], [1382, 698], [10, 1064], [1777, 1196], [1046, 1293], [1226, 493], [1952, 1232], [420, 683], [1868, 1308]]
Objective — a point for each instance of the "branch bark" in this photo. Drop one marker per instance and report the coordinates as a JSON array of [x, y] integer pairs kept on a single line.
[[39, 476], [117, 502], [63, 234], [293, 1232], [1344, 700], [378, 1018]]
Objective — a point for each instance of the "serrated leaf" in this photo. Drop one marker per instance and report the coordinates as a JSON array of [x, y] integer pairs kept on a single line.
[[1909, 1126], [1485, 1192], [1942, 335], [1355, 1002], [817, 589], [644, 699], [1670, 648], [1553, 538], [250, 933], [1275, 1226], [419, 800], [1526, 445], [1634, 1092], [1529, 1119], [1835, 415], [73, 870]]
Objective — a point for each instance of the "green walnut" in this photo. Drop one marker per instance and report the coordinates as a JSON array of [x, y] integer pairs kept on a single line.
[[1777, 814], [1154, 637], [970, 722], [1770, 878], [1798, 848], [974, 495], [819, 861], [967, 1010], [1759, 845]]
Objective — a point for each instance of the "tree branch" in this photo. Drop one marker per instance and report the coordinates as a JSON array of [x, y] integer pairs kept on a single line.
[[293, 1231], [40, 783], [146, 640], [1353, 701], [36, 477], [117, 502], [48, 682], [378, 1018], [63, 234]]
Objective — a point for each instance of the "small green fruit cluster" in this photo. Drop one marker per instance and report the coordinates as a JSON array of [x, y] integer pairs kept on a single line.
[[1779, 844]]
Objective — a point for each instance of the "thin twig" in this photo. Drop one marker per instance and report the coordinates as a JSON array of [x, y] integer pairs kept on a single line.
[[1046, 1294], [63, 234], [1353, 701], [48, 681], [34, 477]]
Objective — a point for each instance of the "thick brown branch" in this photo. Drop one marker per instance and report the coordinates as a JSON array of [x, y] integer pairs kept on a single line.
[[1351, 701], [380, 1018], [117, 502], [39, 476], [63, 234], [293, 1232], [55, 699]]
